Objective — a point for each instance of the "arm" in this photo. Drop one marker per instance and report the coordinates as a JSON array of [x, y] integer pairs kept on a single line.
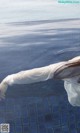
[[33, 75], [29, 76]]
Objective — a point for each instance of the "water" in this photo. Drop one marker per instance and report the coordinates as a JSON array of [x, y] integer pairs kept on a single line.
[[40, 107]]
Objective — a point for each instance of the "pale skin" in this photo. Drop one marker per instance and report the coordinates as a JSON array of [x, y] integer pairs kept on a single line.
[[39, 74]]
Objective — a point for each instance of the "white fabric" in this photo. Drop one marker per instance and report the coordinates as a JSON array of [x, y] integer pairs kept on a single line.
[[71, 84], [72, 88]]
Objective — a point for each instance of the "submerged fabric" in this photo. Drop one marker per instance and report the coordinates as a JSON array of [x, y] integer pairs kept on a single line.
[[70, 75], [72, 88]]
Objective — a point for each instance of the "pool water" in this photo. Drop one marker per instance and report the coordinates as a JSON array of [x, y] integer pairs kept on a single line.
[[40, 107]]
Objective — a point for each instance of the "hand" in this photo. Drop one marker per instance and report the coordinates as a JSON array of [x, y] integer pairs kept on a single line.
[[2, 95], [3, 89]]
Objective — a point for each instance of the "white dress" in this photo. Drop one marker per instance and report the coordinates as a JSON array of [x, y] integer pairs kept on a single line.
[[72, 88]]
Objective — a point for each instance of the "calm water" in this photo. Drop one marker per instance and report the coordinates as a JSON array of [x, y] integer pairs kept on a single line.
[[40, 107]]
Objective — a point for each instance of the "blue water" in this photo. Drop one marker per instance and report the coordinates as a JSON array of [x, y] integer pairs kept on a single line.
[[40, 107]]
